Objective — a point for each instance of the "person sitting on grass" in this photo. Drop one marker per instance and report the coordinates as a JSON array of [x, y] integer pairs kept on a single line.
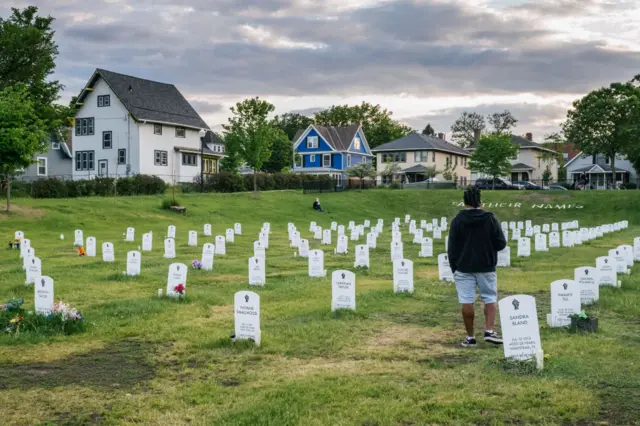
[[475, 238], [316, 205]]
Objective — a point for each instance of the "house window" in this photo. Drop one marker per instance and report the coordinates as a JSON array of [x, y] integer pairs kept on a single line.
[[456, 161], [84, 126], [433, 157], [312, 159], [465, 162], [326, 160], [421, 156], [356, 143], [42, 166], [160, 158], [84, 160], [209, 165], [400, 157], [348, 160], [516, 155], [122, 156], [222, 148], [565, 156], [107, 138], [312, 142], [298, 161], [104, 101], [607, 160], [180, 132], [55, 145], [157, 129], [189, 159]]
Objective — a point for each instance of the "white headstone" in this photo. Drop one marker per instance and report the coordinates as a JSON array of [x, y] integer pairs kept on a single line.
[[504, 257], [397, 252], [355, 234], [134, 260], [621, 260], [147, 242], [577, 238], [372, 240], [367, 223], [237, 228], [520, 330], [247, 316], [108, 254], [295, 239], [636, 248], [303, 249], [230, 235], [91, 247], [193, 239], [516, 234], [343, 245], [131, 234], [43, 297], [628, 253], [326, 237], [528, 232], [340, 230], [537, 229], [565, 301], [444, 268], [317, 235], [257, 272], [403, 276], [34, 270], [221, 245], [607, 274], [588, 280], [437, 233], [18, 235], [169, 248], [554, 240], [312, 227], [423, 224], [584, 234], [207, 230], [412, 226], [555, 227], [541, 242], [208, 254], [78, 239], [25, 245], [177, 276], [407, 218], [546, 228], [418, 236], [567, 238], [31, 252], [426, 248], [352, 225], [316, 264], [429, 227], [396, 236], [362, 256], [524, 247], [343, 290], [334, 226]]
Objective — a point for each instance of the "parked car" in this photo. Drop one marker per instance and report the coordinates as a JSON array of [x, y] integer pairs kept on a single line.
[[527, 185], [557, 188], [431, 184], [498, 184]]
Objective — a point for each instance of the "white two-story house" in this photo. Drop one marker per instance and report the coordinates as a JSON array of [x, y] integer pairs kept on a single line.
[[127, 125]]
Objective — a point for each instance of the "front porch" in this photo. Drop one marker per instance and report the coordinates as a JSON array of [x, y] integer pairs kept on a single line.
[[521, 172], [598, 177]]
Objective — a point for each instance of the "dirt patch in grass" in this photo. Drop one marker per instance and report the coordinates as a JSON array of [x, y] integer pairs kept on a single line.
[[22, 212], [121, 365], [620, 405]]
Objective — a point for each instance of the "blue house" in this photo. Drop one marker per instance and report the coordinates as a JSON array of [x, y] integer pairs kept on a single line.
[[330, 150]]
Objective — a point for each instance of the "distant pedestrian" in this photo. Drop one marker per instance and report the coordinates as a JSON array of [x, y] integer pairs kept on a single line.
[[317, 206], [475, 238]]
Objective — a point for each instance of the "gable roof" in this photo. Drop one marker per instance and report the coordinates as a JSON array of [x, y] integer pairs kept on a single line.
[[418, 141], [148, 100], [577, 156], [212, 137], [338, 137], [598, 168]]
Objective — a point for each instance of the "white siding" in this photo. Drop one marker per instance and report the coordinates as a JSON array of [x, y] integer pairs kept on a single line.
[[149, 143], [114, 118]]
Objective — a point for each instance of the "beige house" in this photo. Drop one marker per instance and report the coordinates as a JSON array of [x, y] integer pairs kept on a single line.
[[416, 152], [531, 161]]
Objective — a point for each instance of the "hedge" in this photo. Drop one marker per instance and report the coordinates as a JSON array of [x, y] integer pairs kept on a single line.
[[230, 182], [100, 186]]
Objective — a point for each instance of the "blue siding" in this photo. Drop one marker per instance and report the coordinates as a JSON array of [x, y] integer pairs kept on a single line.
[[322, 144], [308, 163], [362, 149], [336, 161]]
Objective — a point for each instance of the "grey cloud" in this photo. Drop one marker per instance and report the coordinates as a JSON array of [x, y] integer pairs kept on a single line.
[[204, 107]]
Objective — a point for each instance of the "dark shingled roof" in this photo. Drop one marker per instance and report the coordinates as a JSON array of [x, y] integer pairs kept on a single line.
[[339, 137], [521, 166], [604, 167], [212, 137], [415, 169], [418, 141], [149, 100], [522, 142]]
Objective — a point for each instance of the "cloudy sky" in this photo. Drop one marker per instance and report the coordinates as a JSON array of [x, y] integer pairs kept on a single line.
[[426, 60]]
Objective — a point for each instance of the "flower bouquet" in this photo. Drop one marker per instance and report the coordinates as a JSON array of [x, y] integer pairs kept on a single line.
[[179, 290], [15, 244], [63, 318], [81, 251], [196, 264]]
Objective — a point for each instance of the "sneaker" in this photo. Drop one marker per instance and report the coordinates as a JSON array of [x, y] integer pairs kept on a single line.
[[469, 343], [492, 338]]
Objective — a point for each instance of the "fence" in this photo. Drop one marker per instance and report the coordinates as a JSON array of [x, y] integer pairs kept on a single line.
[[335, 185], [531, 185]]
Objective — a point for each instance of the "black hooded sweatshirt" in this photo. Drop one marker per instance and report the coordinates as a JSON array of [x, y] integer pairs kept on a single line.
[[475, 238]]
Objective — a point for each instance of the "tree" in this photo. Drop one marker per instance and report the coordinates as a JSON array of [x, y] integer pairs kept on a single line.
[[605, 122], [430, 172], [22, 133], [281, 156], [361, 170], [290, 123], [391, 169], [251, 136], [449, 171], [466, 128], [377, 123], [555, 142], [428, 130], [491, 156], [27, 56], [502, 122]]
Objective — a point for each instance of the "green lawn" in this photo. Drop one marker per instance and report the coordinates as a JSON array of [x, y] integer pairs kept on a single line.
[[396, 361]]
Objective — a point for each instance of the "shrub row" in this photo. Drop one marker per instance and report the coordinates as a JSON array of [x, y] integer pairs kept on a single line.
[[229, 182], [104, 187]]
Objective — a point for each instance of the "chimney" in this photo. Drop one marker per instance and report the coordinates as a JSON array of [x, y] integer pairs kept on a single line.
[[476, 136], [441, 136], [529, 136]]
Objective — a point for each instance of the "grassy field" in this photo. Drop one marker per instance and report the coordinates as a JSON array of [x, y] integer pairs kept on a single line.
[[396, 361]]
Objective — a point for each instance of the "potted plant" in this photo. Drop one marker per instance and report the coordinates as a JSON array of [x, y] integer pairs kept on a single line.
[[584, 323]]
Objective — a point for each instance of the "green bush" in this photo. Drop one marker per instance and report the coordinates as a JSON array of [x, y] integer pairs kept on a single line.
[[629, 185], [104, 187], [167, 203]]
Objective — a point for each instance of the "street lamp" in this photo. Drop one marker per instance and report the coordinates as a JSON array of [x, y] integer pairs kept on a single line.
[[202, 133]]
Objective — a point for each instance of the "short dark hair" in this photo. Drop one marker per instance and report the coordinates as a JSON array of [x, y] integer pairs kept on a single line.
[[472, 197]]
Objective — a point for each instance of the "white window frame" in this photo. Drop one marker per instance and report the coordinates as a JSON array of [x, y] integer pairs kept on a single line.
[[46, 168], [312, 142], [312, 158], [160, 158], [324, 157], [356, 143], [179, 131], [298, 161], [55, 145], [348, 160]]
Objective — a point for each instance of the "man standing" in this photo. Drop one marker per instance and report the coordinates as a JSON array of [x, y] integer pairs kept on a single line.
[[475, 238]]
